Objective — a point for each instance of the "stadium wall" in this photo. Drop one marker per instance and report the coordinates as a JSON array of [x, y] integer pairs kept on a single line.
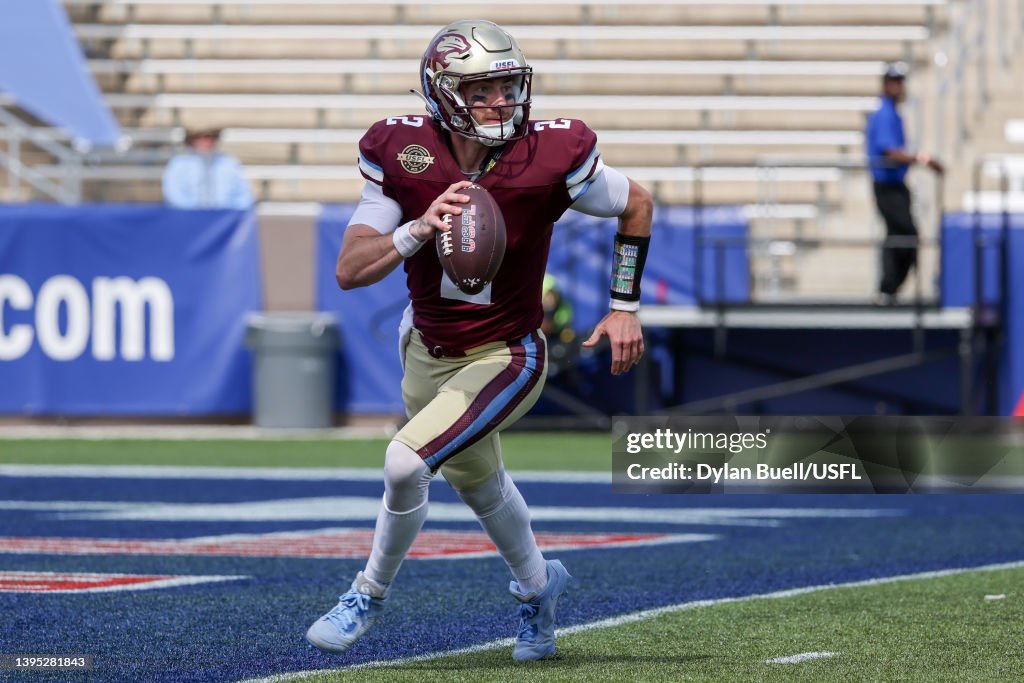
[[84, 292]]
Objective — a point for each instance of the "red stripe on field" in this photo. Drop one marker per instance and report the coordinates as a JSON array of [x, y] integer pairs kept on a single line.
[[47, 582], [333, 543]]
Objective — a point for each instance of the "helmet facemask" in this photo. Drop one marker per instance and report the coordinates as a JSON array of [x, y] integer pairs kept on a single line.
[[463, 54], [460, 119]]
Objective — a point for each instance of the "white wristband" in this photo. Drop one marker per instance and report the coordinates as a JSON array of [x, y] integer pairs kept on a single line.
[[620, 305], [405, 243]]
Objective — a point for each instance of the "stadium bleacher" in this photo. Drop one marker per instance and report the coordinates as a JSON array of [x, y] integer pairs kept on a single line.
[[682, 91]]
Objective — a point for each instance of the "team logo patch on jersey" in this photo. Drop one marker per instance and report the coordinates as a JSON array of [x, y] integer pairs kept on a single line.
[[415, 159]]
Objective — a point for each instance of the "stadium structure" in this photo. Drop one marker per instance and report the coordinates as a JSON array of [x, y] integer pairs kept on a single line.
[[755, 106], [136, 550]]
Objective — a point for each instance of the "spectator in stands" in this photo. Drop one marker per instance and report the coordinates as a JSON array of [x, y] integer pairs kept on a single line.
[[203, 177], [889, 161]]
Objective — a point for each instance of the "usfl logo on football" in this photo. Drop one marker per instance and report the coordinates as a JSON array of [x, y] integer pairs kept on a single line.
[[469, 229]]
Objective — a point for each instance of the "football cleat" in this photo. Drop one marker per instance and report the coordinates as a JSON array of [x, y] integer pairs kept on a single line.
[[357, 610], [536, 636]]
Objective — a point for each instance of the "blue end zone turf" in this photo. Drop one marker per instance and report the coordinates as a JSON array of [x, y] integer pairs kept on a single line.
[[254, 626]]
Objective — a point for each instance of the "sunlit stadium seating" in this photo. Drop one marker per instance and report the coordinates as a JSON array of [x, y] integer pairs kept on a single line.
[[699, 99]]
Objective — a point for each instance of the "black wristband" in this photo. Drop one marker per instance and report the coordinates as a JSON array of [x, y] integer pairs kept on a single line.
[[628, 259]]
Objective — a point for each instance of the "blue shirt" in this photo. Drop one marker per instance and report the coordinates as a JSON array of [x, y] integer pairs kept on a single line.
[[214, 181], [885, 133]]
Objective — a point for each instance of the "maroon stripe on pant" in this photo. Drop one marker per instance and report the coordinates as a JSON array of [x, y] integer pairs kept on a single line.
[[487, 396]]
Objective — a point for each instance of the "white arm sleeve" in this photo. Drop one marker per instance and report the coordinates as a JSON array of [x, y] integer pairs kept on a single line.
[[606, 196], [379, 212]]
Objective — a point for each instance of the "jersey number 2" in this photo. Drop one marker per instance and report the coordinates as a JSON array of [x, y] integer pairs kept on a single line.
[[414, 121], [557, 123]]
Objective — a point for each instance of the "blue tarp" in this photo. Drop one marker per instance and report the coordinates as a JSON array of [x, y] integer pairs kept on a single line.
[[43, 69], [369, 372]]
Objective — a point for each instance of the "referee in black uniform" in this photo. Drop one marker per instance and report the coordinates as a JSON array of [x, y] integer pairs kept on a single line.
[[889, 161]]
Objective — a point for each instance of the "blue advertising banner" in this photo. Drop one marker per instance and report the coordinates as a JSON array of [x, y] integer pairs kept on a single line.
[[369, 370], [581, 249], [125, 310], [965, 237], [969, 239]]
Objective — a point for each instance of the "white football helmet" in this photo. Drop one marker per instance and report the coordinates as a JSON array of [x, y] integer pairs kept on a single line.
[[474, 50]]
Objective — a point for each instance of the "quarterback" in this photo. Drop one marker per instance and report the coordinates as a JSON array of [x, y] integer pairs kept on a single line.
[[475, 363]]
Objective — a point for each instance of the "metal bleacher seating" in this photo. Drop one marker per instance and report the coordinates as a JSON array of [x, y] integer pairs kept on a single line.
[[727, 81], [756, 102]]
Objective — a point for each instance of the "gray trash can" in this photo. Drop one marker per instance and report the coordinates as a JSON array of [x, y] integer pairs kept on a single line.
[[293, 368]]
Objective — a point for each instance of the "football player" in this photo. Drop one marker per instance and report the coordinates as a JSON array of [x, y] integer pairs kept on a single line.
[[475, 363]]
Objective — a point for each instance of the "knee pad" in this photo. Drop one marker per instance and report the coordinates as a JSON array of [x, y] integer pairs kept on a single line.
[[488, 497], [406, 479]]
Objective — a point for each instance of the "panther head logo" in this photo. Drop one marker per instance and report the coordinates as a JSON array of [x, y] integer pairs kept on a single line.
[[450, 44]]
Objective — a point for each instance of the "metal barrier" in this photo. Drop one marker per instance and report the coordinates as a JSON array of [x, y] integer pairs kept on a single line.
[[771, 243], [68, 188], [970, 43]]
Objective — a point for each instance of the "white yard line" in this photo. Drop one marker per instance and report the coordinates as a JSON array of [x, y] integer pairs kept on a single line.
[[644, 616], [192, 432], [802, 657], [268, 473]]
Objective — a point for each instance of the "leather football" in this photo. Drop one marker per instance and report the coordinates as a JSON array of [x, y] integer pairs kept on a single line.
[[471, 252]]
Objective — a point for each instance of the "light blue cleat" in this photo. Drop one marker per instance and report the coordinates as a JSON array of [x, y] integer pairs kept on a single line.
[[359, 609], [536, 637]]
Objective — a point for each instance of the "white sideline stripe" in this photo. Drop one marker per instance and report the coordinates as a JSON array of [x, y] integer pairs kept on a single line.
[[802, 657], [268, 473], [350, 508], [191, 432], [644, 616]]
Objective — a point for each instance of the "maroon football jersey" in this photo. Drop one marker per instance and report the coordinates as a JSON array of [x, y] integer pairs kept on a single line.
[[534, 180]]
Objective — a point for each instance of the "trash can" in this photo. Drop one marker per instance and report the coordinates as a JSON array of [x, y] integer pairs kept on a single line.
[[293, 369]]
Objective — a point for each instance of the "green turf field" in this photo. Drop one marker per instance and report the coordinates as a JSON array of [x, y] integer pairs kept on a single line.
[[521, 451], [928, 629]]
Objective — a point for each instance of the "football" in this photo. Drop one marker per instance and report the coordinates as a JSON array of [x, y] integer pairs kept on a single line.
[[471, 252]]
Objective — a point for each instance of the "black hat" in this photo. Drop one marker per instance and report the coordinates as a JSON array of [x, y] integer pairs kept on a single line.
[[895, 71]]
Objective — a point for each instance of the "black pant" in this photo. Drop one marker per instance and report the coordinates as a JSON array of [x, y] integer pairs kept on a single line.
[[893, 200]]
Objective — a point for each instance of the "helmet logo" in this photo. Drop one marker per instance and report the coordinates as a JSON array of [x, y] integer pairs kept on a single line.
[[415, 159], [450, 44]]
